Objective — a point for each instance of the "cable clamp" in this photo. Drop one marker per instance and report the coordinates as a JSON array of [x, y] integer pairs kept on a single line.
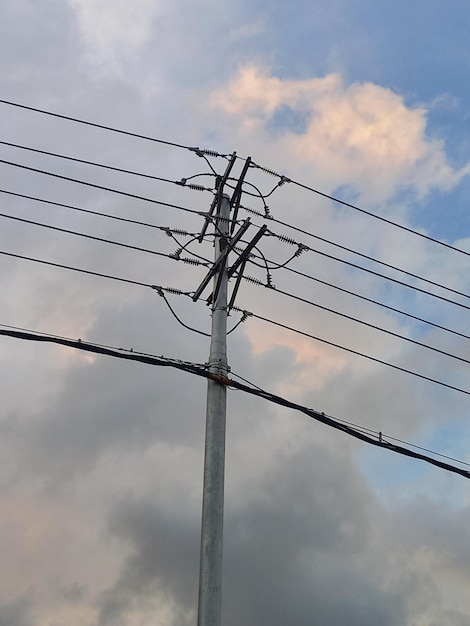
[[301, 247], [159, 290]]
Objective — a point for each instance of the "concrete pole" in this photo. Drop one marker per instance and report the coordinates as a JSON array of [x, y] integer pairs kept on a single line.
[[210, 575]]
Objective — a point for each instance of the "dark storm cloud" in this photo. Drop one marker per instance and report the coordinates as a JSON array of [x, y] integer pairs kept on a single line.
[[303, 550], [16, 613]]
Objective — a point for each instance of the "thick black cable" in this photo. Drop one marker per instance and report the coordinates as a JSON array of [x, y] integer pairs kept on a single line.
[[202, 371], [379, 434], [351, 351], [367, 324], [101, 187]]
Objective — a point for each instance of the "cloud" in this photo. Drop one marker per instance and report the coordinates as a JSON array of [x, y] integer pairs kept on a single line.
[[361, 134], [114, 28]]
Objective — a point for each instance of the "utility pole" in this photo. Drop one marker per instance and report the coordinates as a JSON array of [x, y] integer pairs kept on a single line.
[[210, 575]]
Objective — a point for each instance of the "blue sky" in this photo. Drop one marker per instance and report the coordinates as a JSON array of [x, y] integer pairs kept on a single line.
[[101, 462]]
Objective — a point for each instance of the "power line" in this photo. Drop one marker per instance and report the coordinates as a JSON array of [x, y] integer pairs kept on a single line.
[[351, 351], [92, 273], [68, 231], [378, 434], [107, 215], [95, 164], [202, 371], [364, 323], [395, 280], [198, 151], [103, 188], [377, 303], [243, 311], [361, 210], [81, 182], [306, 248]]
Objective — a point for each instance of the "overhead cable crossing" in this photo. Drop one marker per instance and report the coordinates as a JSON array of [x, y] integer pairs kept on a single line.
[[380, 440]]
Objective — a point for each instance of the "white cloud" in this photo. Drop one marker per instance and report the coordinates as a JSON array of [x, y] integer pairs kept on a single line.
[[360, 134]]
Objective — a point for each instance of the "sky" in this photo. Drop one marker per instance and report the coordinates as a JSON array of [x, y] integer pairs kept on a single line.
[[101, 459]]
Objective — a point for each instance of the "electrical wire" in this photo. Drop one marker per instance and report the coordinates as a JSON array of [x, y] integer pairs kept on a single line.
[[395, 280], [84, 271], [202, 371], [246, 313], [363, 211], [306, 248], [102, 165], [351, 351], [103, 188], [364, 323], [161, 293], [194, 149], [68, 231], [105, 215], [82, 182], [376, 433], [377, 303]]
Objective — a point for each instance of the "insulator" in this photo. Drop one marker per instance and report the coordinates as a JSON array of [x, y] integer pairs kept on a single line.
[[255, 281], [178, 231], [288, 240], [158, 289], [176, 292], [192, 261], [301, 248], [196, 187], [269, 281], [269, 171], [253, 211], [176, 254], [203, 151]]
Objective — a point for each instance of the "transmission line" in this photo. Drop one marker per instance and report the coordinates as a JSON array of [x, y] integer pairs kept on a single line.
[[307, 248], [376, 302], [359, 209], [395, 280], [110, 189], [95, 164], [363, 323], [68, 231], [197, 150], [350, 350], [107, 215], [100, 274], [202, 371]]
